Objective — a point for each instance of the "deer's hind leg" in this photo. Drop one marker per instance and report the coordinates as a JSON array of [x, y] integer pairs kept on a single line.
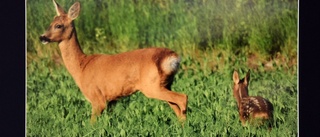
[[177, 110], [177, 101], [181, 114], [158, 87]]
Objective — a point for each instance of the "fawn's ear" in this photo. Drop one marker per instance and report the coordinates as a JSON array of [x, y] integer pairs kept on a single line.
[[59, 10], [247, 78], [74, 11], [235, 77]]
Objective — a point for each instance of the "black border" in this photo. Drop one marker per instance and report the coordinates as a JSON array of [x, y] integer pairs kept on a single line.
[[309, 78], [13, 68]]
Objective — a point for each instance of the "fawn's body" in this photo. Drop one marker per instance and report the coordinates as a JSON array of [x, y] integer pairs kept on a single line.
[[254, 109], [103, 78]]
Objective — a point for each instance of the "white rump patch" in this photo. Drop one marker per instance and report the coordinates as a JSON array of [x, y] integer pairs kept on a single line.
[[171, 64]]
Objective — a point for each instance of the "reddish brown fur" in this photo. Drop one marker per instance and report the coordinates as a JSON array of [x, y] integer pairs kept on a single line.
[[103, 78], [250, 107]]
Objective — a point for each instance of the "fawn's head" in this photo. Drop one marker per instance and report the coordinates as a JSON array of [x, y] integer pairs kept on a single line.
[[240, 87], [62, 26]]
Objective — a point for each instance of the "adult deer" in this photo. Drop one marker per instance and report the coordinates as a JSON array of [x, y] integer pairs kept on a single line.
[[103, 78], [254, 109]]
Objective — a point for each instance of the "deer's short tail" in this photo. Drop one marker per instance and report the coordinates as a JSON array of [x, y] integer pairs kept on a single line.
[[167, 61], [170, 64]]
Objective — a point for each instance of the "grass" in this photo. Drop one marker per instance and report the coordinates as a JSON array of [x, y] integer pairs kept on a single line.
[[213, 38], [55, 106]]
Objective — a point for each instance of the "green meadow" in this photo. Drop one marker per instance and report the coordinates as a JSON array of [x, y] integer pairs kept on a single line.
[[212, 37]]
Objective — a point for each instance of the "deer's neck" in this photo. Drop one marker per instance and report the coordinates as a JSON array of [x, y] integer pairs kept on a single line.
[[72, 55], [241, 93]]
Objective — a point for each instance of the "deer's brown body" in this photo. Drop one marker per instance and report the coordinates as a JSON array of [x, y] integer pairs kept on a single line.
[[254, 109], [103, 78]]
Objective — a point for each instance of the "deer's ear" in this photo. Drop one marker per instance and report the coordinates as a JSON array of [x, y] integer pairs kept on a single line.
[[235, 77], [59, 10], [74, 11], [247, 78]]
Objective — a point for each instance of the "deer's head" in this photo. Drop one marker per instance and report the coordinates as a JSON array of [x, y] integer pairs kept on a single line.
[[240, 87], [62, 26]]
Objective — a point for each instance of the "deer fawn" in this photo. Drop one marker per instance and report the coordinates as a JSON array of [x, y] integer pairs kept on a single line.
[[254, 109], [103, 78]]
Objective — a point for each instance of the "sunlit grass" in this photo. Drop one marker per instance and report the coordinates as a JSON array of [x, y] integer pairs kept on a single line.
[[55, 106]]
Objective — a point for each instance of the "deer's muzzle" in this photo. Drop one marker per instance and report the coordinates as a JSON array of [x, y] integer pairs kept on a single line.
[[44, 39]]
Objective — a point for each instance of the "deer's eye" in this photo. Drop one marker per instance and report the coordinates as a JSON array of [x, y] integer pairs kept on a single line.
[[58, 26]]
